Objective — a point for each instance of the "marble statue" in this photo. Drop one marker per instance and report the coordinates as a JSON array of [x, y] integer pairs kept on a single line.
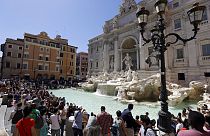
[[129, 86], [114, 23], [111, 63], [128, 61]]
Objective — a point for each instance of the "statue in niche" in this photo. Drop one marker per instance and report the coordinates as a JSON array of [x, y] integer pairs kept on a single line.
[[122, 10], [106, 28], [128, 62], [127, 6], [155, 58], [114, 23], [111, 63]]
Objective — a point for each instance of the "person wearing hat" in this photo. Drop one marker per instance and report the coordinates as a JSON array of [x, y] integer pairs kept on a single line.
[[77, 124]]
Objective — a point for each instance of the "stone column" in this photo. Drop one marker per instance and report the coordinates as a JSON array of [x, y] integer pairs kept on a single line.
[[137, 55], [121, 60], [116, 55], [105, 57], [142, 53], [192, 54]]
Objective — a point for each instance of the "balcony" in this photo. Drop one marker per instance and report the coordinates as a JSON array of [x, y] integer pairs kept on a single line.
[[204, 60], [182, 62]]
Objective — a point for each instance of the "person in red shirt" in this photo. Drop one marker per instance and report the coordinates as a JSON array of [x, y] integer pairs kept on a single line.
[[104, 120], [25, 126]]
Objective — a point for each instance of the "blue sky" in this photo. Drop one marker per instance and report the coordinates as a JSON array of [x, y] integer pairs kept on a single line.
[[75, 20]]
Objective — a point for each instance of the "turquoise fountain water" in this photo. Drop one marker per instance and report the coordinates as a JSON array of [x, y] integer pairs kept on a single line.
[[93, 101]]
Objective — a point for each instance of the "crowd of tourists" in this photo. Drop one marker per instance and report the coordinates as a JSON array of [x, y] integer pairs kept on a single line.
[[38, 112]]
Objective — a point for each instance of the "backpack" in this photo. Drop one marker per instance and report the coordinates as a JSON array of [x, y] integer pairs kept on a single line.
[[115, 128], [18, 115], [39, 122]]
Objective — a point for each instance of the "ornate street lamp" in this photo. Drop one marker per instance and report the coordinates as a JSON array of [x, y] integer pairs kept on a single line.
[[158, 38]]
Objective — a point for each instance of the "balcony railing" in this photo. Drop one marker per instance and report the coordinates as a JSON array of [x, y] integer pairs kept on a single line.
[[180, 62], [204, 60]]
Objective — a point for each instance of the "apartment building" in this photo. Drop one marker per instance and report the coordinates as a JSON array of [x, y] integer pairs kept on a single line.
[[42, 58], [12, 57], [82, 65]]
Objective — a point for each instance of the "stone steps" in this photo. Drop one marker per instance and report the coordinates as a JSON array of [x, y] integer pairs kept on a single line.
[[3, 110]]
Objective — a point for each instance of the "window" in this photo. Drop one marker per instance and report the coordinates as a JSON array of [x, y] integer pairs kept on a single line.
[[180, 53], [7, 64], [46, 67], [176, 4], [91, 65], [72, 56], [47, 58], [96, 64], [9, 54], [25, 66], [40, 67], [47, 50], [10, 46], [206, 50], [57, 68], [18, 66], [20, 48], [91, 50], [19, 55], [26, 46], [26, 55], [64, 48], [41, 49], [71, 72], [181, 76], [61, 62], [96, 48], [61, 54], [205, 15], [207, 74], [177, 24], [40, 57]]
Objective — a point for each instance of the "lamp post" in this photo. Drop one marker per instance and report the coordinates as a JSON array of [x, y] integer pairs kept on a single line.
[[158, 39]]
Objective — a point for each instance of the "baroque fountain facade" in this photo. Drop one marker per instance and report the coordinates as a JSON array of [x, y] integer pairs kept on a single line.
[[117, 58]]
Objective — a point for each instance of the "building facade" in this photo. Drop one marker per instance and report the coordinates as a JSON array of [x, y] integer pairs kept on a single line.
[[12, 57], [82, 65], [39, 57], [121, 36]]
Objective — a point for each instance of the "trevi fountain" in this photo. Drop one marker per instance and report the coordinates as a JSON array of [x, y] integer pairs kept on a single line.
[[128, 86], [116, 89]]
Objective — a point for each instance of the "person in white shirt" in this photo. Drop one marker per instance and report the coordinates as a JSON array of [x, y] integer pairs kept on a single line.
[[179, 125], [55, 123]]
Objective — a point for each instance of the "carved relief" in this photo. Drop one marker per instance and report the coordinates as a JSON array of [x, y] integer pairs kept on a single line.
[[127, 6]]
